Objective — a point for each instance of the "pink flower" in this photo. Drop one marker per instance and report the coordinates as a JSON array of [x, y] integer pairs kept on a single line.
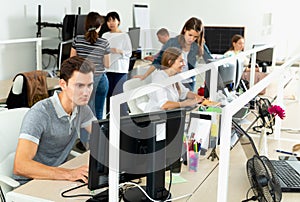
[[276, 110]]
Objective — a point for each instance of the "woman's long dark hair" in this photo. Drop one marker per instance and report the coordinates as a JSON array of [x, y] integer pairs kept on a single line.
[[193, 24], [92, 22]]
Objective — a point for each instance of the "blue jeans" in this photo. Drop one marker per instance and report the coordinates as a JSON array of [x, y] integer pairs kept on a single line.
[[98, 95], [116, 81], [191, 85]]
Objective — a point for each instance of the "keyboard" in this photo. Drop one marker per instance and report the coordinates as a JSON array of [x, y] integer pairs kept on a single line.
[[287, 173]]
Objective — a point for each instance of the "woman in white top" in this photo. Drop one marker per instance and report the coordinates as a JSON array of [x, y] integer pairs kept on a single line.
[[237, 46], [175, 95], [121, 50]]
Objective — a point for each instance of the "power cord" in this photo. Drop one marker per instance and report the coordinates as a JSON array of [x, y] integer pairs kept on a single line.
[[253, 198], [2, 197], [63, 194], [145, 193]]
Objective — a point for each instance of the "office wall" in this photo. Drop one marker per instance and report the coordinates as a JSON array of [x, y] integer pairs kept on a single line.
[[18, 18], [266, 21]]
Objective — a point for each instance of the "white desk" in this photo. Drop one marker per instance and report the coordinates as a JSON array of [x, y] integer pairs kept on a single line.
[[203, 190], [6, 85]]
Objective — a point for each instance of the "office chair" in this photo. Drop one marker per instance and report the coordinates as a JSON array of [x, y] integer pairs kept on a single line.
[[10, 124], [28, 88], [135, 85]]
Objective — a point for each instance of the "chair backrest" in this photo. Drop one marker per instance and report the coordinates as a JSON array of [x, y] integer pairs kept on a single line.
[[137, 105], [10, 124], [28, 88]]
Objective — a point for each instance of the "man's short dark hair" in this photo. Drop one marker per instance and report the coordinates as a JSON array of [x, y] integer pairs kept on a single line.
[[75, 63], [162, 31]]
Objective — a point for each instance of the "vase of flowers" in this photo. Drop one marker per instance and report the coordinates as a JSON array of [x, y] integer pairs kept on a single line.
[[274, 111]]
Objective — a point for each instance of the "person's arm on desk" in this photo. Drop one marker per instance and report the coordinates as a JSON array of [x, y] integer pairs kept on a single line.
[[25, 165], [50, 128], [149, 71], [173, 105], [155, 65]]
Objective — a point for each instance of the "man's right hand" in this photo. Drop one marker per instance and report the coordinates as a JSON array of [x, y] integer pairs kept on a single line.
[[80, 173]]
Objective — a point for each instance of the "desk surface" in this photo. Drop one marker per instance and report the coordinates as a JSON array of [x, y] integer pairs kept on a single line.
[[197, 184], [6, 85]]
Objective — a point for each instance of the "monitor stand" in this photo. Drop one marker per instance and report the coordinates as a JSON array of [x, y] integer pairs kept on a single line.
[[155, 189]]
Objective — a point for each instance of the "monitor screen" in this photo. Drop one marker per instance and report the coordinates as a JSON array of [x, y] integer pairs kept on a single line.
[[239, 73], [264, 56], [226, 77], [150, 143], [64, 52], [218, 38]]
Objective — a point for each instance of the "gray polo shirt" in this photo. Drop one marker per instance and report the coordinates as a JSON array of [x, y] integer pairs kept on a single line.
[[55, 132]]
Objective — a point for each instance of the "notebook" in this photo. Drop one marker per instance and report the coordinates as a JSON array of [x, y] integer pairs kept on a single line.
[[288, 171]]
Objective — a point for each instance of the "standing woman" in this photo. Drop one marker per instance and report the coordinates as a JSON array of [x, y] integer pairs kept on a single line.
[[121, 50], [190, 41], [96, 50]]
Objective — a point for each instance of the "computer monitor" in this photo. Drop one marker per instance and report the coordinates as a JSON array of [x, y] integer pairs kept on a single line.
[[134, 35], [64, 52], [79, 25], [218, 38], [68, 27], [264, 57], [150, 144], [239, 73], [226, 77]]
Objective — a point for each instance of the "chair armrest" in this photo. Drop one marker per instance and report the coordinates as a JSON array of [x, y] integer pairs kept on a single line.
[[9, 181]]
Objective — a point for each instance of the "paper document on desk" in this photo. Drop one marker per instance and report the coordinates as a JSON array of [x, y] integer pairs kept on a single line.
[[201, 128]]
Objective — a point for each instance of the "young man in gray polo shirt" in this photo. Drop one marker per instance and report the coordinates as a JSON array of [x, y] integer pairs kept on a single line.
[[52, 125]]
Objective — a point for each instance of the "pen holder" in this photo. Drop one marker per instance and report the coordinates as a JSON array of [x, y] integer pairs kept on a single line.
[[193, 161]]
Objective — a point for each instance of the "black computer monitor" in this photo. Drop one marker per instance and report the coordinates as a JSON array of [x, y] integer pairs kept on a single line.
[[150, 144], [79, 25], [218, 38], [68, 27], [64, 52], [264, 57]]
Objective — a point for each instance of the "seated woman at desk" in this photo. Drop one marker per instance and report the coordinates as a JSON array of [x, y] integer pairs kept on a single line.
[[175, 95], [237, 46]]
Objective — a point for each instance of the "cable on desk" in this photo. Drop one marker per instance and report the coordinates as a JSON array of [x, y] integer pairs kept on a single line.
[[75, 195], [145, 193], [2, 195]]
